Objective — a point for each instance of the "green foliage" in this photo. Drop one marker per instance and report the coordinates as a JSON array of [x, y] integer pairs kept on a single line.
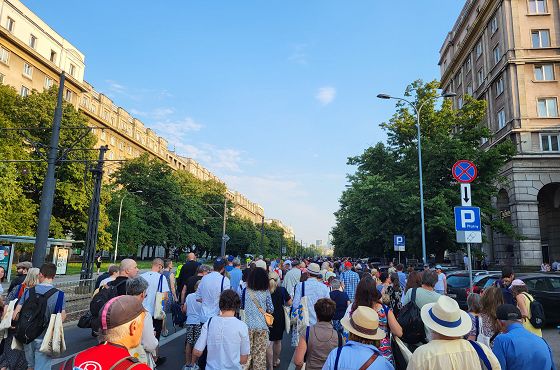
[[383, 198], [22, 182]]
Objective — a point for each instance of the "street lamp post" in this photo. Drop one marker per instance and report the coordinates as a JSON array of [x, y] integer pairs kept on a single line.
[[119, 224], [417, 109]]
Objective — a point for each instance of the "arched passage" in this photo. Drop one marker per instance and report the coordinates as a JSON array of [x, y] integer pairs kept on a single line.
[[549, 221]]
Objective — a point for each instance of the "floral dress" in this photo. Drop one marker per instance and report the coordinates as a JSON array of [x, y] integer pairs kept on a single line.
[[385, 345]]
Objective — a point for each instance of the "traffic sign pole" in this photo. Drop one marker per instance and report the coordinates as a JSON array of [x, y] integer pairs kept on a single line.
[[470, 265]]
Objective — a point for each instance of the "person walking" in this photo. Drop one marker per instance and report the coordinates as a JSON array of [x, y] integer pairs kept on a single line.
[[156, 283], [392, 295], [235, 274], [98, 260], [225, 337], [21, 270], [318, 340], [210, 288], [256, 300], [188, 288], [517, 348], [361, 351], [523, 298], [447, 350], [350, 280], [441, 285], [342, 302], [488, 323], [292, 277], [189, 269], [280, 299], [193, 325], [425, 294], [474, 306]]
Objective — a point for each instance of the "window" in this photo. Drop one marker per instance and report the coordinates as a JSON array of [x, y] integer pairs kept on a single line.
[[105, 114], [544, 72], [540, 38], [537, 6], [48, 82], [129, 149], [10, 24], [549, 142], [4, 54], [497, 54], [469, 90], [459, 79], [547, 107], [478, 49], [501, 119], [113, 140], [93, 108], [72, 70], [500, 86], [103, 136], [53, 56], [121, 145], [27, 70], [33, 41], [494, 25], [68, 95], [468, 64], [1, 78], [480, 77], [24, 91], [460, 102]]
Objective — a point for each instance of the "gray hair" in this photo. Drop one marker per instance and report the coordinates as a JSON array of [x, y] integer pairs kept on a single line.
[[236, 262], [202, 268], [429, 278], [335, 284], [136, 286], [473, 303]]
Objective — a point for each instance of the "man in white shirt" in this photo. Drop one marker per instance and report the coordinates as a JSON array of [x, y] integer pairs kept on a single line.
[[441, 285], [210, 288], [292, 277], [156, 283]]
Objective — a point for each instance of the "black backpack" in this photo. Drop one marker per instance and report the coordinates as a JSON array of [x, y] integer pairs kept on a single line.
[[537, 312], [104, 295], [32, 320], [411, 322]]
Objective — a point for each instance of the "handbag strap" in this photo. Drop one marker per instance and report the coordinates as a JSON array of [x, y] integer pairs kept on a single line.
[[303, 289], [484, 362], [59, 302], [370, 361], [222, 286], [256, 303], [243, 298], [160, 284], [306, 342]]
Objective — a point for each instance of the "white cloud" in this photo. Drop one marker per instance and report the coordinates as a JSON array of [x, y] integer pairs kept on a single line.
[[210, 156], [325, 95]]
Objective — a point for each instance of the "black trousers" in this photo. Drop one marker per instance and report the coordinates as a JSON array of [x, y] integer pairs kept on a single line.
[[158, 324]]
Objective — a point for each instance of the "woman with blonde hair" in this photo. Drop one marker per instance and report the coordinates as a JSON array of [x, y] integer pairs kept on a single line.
[[524, 299], [488, 322], [280, 298]]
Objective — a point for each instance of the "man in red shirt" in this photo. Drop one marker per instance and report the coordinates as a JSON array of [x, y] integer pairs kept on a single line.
[[122, 321]]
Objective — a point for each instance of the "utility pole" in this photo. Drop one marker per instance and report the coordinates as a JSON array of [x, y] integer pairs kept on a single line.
[[93, 218], [262, 235], [281, 242], [49, 184], [224, 241]]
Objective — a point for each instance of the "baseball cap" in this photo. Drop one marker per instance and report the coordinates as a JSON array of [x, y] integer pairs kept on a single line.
[[347, 264], [261, 264], [230, 258], [507, 312], [219, 263], [120, 310], [438, 267], [287, 262], [517, 282]]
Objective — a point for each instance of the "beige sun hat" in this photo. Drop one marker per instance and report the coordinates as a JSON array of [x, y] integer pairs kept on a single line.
[[446, 318], [364, 322], [261, 264]]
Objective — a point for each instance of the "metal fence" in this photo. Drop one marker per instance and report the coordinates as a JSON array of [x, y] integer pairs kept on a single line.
[[78, 295]]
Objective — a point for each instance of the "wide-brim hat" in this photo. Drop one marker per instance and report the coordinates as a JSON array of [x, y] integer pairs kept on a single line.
[[364, 322], [314, 269], [446, 318], [261, 264]]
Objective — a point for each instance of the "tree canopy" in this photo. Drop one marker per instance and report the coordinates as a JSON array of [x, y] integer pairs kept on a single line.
[[383, 196]]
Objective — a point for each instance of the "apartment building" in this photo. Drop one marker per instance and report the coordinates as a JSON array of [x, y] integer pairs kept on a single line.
[[32, 57], [288, 230], [507, 52]]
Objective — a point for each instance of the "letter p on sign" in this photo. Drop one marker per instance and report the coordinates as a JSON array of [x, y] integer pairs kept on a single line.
[[467, 219]]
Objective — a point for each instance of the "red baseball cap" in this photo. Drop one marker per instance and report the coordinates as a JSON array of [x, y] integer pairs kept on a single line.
[[347, 264]]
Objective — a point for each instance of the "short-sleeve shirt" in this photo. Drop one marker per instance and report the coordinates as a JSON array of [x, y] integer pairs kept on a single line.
[[153, 279], [227, 339], [440, 286], [209, 290], [191, 282], [194, 309], [341, 299], [103, 356]]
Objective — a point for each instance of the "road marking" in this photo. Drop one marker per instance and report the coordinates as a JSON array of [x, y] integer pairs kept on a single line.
[[162, 342]]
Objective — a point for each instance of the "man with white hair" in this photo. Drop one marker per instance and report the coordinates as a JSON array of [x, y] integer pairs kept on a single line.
[[122, 321], [448, 350], [292, 277], [156, 283]]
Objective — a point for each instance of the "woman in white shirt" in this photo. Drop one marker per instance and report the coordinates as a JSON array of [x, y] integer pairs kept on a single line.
[[193, 308]]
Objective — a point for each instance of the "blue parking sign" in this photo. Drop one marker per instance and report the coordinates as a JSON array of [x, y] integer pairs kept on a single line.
[[467, 219], [399, 243]]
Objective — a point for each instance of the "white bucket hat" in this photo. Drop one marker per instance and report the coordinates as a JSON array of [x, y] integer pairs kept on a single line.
[[445, 317]]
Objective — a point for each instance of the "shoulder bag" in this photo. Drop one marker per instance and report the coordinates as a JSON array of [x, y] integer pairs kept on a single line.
[[268, 318]]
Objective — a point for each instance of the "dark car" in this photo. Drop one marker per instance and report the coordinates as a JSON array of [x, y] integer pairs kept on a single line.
[[545, 288], [458, 285]]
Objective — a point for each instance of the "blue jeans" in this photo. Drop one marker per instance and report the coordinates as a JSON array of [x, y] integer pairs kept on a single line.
[[35, 359]]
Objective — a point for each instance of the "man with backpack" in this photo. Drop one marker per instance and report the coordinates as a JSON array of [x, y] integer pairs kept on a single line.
[[423, 296], [33, 313]]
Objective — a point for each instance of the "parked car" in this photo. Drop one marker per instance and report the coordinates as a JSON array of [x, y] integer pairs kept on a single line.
[[458, 285], [545, 288]]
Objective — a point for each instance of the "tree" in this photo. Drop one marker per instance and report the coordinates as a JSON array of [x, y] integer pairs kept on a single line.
[[383, 198]]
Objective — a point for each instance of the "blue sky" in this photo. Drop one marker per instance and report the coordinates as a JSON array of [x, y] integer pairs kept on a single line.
[[272, 96]]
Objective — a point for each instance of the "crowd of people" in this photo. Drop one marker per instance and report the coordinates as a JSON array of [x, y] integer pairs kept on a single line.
[[339, 313]]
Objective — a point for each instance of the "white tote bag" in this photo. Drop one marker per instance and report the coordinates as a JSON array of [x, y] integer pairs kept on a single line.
[[6, 322], [480, 337], [159, 313], [53, 343]]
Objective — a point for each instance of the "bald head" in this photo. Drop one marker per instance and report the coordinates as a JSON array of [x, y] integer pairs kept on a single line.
[[157, 264], [191, 257], [128, 268]]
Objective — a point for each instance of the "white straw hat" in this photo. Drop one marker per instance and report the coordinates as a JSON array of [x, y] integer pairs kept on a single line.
[[364, 322], [445, 317]]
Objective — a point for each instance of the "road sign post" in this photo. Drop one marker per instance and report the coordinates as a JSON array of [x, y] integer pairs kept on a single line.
[[467, 218], [399, 243]]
